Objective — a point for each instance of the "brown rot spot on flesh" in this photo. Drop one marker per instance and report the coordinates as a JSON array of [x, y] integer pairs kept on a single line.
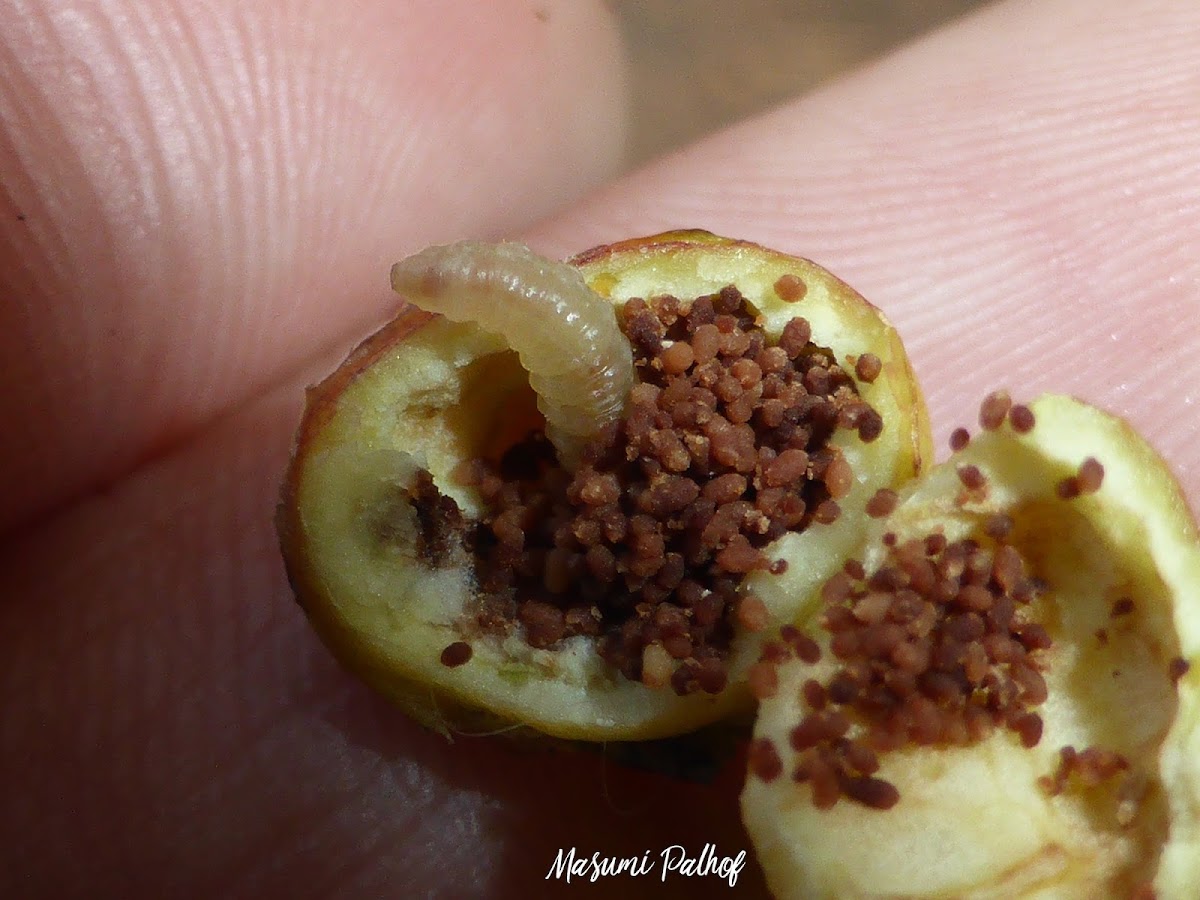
[[1122, 606], [440, 523], [457, 654], [1088, 768]]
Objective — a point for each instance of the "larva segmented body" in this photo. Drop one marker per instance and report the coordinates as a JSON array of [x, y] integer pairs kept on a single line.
[[579, 363]]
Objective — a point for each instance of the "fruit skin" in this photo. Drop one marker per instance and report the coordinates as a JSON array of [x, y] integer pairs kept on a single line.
[[381, 635], [971, 821]]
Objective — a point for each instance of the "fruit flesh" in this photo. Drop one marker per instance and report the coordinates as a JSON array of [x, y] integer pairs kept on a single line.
[[977, 821], [693, 263], [428, 394]]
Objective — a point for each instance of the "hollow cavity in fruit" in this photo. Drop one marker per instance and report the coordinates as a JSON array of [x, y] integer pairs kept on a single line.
[[1002, 699], [620, 592]]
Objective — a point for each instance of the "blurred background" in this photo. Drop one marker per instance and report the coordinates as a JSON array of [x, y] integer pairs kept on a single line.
[[701, 64]]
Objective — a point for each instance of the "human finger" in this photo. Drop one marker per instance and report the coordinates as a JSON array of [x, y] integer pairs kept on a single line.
[[1019, 194], [197, 197]]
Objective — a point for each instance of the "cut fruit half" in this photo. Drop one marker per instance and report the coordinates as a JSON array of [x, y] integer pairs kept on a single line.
[[1005, 701], [632, 605]]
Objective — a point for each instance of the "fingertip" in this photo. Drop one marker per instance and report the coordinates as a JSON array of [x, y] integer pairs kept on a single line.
[[197, 199], [1014, 191]]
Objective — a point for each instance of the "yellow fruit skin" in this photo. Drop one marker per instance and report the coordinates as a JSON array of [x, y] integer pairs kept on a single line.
[[428, 392], [972, 821]]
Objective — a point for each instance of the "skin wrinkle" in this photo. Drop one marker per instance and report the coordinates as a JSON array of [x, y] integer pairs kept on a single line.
[[1043, 223], [181, 230], [888, 121], [197, 137], [387, 787], [320, 819], [35, 187], [104, 745], [21, 189], [66, 330]]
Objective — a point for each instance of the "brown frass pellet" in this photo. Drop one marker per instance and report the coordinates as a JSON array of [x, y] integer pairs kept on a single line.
[[1021, 418], [959, 439], [763, 760], [874, 793], [839, 477], [763, 679], [933, 648], [971, 477], [827, 512], [994, 410], [790, 288], [870, 426], [457, 654], [1090, 476], [752, 613], [998, 526], [1068, 488], [723, 448], [868, 367], [882, 503]]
